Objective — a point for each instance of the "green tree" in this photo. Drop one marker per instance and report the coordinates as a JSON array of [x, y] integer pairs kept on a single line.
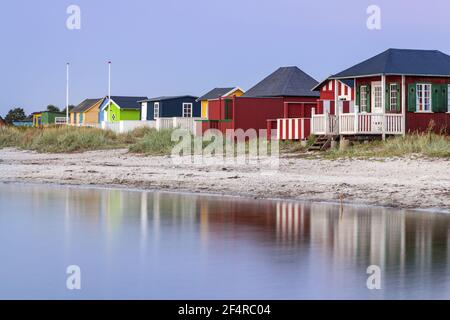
[[15, 114], [52, 108], [70, 108]]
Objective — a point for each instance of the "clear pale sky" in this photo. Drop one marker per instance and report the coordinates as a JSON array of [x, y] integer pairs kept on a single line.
[[171, 47]]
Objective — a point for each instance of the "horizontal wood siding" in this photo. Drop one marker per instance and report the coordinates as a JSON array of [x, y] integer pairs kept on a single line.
[[419, 122]]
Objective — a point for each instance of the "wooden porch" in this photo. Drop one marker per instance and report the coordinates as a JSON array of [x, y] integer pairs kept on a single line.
[[358, 123]]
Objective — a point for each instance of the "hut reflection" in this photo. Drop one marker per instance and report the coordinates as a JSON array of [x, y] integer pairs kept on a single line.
[[361, 236]]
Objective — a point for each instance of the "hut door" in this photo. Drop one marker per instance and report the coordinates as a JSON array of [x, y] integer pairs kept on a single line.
[[377, 109], [377, 98]]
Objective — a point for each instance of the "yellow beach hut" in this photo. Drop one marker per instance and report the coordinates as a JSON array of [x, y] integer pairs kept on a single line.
[[86, 112], [218, 93]]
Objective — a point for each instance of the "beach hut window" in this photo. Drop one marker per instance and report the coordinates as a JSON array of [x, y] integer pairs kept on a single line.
[[187, 110], [423, 97], [156, 110], [393, 97], [363, 98]]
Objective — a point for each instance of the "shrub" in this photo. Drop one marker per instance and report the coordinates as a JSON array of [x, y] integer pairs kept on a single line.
[[154, 143]]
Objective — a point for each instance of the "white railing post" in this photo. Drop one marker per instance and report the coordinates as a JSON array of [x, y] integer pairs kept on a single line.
[[327, 123], [302, 134], [313, 113], [356, 110]]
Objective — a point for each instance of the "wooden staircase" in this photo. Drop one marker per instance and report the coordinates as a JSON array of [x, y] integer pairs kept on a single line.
[[322, 143]]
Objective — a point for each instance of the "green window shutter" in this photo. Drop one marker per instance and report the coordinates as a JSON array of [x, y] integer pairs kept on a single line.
[[447, 107], [358, 96], [368, 98], [436, 97], [444, 98], [412, 97], [399, 98]]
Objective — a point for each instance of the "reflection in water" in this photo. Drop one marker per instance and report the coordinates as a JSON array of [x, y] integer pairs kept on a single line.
[[133, 244]]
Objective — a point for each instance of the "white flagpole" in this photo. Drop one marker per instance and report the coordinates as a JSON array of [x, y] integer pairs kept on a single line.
[[67, 93], [109, 87]]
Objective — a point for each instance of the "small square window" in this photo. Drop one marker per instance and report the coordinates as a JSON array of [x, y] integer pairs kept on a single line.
[[187, 110]]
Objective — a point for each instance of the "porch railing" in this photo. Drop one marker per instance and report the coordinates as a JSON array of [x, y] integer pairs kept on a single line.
[[370, 123], [176, 122], [293, 128], [324, 124], [357, 123]]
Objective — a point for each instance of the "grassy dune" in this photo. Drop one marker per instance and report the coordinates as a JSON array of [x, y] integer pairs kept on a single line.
[[152, 142], [426, 144], [61, 139]]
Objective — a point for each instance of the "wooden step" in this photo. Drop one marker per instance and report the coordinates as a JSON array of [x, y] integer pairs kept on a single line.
[[322, 143]]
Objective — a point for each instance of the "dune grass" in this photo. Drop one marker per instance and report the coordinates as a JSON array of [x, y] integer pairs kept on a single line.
[[423, 144], [66, 139], [152, 142]]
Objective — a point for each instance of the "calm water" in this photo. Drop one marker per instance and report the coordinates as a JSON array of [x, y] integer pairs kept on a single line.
[[132, 244]]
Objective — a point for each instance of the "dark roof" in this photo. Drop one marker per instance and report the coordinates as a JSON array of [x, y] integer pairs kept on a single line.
[[284, 82], [348, 82], [51, 112], [402, 62], [168, 98], [85, 105], [215, 93], [128, 102]]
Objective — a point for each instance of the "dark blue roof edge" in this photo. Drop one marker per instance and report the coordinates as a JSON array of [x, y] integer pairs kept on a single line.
[[167, 98], [393, 74]]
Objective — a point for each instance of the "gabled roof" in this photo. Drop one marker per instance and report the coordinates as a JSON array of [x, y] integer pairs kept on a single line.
[[86, 105], [348, 82], [401, 62], [162, 98], [128, 102], [217, 93], [284, 82]]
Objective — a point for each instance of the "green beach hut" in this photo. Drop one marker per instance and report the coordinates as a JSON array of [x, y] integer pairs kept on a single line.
[[120, 109]]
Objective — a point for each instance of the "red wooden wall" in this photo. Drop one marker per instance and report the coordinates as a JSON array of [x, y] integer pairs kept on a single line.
[[420, 122], [215, 110], [254, 112]]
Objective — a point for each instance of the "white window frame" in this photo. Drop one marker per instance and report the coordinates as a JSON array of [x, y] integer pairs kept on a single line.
[[363, 107], [330, 85], [420, 95], [393, 96], [187, 109], [448, 98], [377, 98], [156, 110]]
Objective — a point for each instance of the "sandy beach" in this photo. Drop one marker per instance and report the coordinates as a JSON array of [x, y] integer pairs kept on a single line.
[[402, 183]]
